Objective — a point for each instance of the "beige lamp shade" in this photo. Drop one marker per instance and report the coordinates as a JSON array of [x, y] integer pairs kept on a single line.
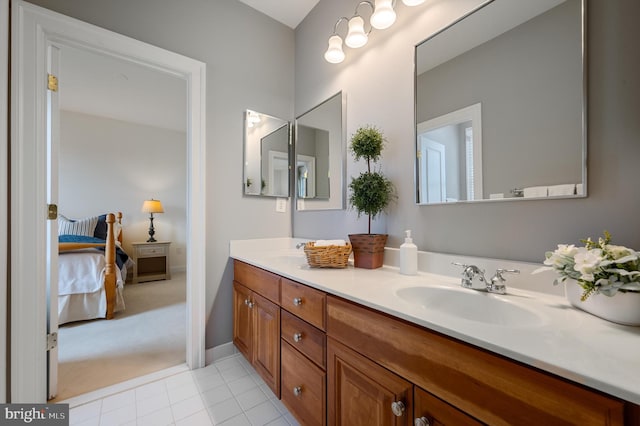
[[152, 206]]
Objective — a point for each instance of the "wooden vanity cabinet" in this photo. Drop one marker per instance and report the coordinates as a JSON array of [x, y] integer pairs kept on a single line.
[[256, 321], [485, 386], [332, 361]]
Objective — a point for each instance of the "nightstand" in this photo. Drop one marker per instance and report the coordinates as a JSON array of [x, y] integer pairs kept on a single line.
[[151, 261]]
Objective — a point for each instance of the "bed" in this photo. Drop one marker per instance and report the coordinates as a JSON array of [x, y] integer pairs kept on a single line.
[[92, 268]]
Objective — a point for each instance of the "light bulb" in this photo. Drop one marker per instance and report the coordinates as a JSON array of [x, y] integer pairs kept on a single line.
[[412, 2], [356, 36], [383, 16], [334, 53]]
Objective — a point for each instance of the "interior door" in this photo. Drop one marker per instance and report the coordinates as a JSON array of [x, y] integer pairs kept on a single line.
[[53, 135], [432, 154]]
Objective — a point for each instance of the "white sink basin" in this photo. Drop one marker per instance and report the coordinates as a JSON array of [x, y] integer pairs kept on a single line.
[[471, 305]]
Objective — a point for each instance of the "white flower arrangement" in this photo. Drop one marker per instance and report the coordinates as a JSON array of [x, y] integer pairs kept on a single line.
[[597, 267]]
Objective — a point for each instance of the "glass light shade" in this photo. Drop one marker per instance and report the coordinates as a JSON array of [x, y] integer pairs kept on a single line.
[[383, 16], [412, 2], [356, 37], [334, 53], [152, 206]]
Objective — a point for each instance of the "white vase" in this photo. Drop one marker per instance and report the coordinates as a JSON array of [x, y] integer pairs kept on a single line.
[[621, 308]]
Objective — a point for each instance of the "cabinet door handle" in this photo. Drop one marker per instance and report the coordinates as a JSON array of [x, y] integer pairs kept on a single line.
[[297, 391], [246, 302], [297, 337], [421, 421], [297, 301], [398, 408]]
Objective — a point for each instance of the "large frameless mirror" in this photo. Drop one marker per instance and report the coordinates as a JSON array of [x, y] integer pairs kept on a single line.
[[320, 156], [266, 155], [500, 105]]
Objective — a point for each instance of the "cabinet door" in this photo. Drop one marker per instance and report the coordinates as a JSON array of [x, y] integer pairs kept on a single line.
[[242, 322], [432, 411], [266, 341], [362, 393]]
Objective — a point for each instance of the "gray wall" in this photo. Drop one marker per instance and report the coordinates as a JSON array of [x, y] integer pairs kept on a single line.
[[249, 61], [531, 115], [378, 81]]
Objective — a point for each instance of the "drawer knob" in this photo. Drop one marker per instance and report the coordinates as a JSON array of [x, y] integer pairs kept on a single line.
[[297, 337], [297, 301], [398, 408], [297, 391], [422, 421]]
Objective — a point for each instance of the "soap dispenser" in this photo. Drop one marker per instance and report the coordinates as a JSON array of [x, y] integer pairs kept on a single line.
[[408, 256]]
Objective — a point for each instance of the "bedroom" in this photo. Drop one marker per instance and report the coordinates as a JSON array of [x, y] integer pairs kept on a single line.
[[121, 142]]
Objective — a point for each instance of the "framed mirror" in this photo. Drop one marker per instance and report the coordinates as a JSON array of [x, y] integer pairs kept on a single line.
[[500, 105], [266, 155], [320, 156]]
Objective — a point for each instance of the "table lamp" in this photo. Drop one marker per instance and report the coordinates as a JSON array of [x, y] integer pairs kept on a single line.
[[152, 206]]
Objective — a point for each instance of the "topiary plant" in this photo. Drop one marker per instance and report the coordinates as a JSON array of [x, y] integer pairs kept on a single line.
[[371, 192]]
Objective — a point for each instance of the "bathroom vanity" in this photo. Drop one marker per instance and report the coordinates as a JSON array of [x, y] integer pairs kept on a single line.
[[353, 347]]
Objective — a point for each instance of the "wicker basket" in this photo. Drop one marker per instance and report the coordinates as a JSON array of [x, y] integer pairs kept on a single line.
[[327, 256]]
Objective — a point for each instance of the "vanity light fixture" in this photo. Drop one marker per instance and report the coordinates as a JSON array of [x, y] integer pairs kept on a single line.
[[412, 2], [334, 53], [383, 16], [356, 37]]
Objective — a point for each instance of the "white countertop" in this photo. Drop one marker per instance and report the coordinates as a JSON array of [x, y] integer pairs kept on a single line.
[[562, 340]]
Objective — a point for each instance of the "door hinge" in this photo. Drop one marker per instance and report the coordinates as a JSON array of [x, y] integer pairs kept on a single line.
[[52, 341], [52, 211], [52, 82]]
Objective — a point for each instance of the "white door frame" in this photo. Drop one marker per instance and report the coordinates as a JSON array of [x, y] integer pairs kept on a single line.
[[471, 113], [4, 188], [32, 28]]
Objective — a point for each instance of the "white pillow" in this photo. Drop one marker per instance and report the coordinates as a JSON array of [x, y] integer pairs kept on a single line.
[[84, 227]]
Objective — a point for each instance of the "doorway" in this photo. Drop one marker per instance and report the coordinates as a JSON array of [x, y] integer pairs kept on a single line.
[[34, 28], [122, 140]]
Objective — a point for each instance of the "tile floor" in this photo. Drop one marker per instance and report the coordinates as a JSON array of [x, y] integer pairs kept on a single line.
[[227, 392]]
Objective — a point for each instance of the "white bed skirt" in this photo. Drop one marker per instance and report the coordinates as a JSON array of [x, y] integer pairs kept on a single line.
[[86, 306], [92, 305]]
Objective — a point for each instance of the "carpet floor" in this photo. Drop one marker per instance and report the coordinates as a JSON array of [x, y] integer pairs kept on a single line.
[[148, 336]]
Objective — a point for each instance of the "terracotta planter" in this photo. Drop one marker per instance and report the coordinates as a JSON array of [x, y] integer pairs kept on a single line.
[[368, 250]]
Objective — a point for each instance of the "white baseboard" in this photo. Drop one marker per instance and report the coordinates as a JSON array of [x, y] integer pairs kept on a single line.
[[218, 352]]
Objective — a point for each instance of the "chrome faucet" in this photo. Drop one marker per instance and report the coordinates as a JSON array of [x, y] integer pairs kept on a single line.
[[469, 273], [300, 245], [493, 285], [496, 283]]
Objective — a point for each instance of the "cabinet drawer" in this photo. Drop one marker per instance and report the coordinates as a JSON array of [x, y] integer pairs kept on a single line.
[[262, 282], [304, 337], [438, 412], [304, 302], [303, 389], [152, 251]]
